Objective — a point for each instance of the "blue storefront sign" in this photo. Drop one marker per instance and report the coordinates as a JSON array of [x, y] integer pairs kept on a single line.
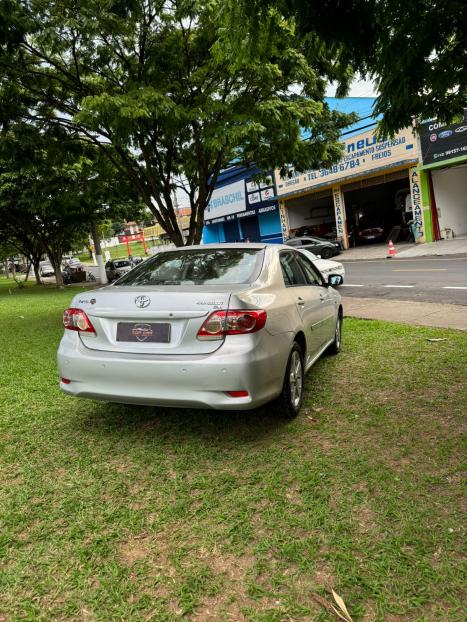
[[241, 209]]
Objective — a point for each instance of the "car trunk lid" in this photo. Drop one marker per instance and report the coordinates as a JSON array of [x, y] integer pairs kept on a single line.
[[159, 320]]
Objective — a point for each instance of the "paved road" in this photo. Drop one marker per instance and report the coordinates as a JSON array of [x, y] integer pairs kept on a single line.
[[434, 279]]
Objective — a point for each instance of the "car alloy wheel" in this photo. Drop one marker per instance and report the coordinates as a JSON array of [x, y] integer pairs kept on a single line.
[[335, 346], [295, 379], [289, 402], [337, 337]]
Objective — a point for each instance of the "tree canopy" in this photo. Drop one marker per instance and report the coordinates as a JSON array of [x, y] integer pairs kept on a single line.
[[416, 51], [154, 84], [173, 91], [52, 190]]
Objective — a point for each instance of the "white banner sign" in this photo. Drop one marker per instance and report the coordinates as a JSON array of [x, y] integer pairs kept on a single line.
[[227, 200]]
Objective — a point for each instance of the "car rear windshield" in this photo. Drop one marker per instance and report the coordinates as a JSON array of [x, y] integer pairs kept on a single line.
[[122, 264], [196, 267]]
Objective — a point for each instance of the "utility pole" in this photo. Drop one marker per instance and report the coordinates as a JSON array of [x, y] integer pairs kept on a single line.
[[98, 251]]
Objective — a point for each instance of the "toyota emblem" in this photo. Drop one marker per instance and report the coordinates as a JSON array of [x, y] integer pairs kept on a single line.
[[142, 301]]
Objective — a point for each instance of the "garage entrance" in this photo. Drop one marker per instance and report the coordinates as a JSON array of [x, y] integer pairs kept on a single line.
[[312, 214], [379, 209], [450, 190]]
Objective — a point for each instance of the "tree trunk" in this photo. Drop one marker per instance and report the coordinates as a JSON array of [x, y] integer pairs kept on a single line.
[[56, 262], [97, 249], [6, 268], [36, 268], [28, 270], [18, 282]]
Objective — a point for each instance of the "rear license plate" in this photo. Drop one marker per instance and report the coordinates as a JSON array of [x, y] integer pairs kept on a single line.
[[143, 332], [370, 237]]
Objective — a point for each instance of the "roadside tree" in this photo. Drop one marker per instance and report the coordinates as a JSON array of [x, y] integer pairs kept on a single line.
[[52, 192], [156, 86], [416, 52]]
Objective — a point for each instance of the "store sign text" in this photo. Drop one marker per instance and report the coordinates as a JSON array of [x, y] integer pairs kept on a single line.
[[338, 208], [227, 200], [361, 154], [416, 202]]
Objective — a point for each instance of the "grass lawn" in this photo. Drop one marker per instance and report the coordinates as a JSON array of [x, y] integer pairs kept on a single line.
[[136, 249], [128, 513]]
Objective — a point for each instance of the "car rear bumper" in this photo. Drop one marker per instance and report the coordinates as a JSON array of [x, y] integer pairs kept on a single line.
[[242, 363]]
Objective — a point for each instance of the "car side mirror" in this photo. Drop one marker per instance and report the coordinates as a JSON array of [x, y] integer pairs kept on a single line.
[[334, 280]]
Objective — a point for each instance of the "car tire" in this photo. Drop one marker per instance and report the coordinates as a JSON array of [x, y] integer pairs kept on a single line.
[[326, 253], [335, 346], [289, 402]]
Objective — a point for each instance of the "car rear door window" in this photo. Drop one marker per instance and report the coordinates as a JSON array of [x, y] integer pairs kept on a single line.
[[291, 271]]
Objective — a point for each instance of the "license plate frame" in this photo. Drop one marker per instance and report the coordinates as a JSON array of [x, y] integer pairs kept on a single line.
[[143, 332]]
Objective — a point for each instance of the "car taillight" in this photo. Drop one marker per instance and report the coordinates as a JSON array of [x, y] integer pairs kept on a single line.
[[238, 322], [76, 319]]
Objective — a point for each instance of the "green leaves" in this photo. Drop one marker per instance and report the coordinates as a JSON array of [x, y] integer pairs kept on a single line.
[[52, 188], [169, 96]]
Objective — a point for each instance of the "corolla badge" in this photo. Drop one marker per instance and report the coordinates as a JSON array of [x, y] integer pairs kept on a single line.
[[142, 301], [142, 331]]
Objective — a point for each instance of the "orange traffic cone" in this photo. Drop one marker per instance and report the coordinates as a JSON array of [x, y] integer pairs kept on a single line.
[[391, 250]]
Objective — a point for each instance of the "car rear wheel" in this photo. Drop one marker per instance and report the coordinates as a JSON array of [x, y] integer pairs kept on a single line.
[[289, 402], [326, 253], [335, 346]]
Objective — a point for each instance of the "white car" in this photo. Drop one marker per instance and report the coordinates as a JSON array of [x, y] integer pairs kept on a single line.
[[45, 269], [325, 266], [224, 326]]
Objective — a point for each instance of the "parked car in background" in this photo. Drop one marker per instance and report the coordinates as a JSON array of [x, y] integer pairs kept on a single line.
[[325, 266], [318, 246], [46, 269], [223, 326], [72, 262], [116, 268], [367, 233], [16, 264]]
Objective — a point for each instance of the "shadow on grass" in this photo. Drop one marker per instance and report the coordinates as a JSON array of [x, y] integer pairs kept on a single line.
[[169, 425]]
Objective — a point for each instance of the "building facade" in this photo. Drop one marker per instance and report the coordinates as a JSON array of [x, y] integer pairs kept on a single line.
[[372, 193], [241, 209], [443, 177]]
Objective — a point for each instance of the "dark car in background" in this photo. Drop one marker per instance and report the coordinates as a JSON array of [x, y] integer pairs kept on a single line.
[[366, 233], [318, 246]]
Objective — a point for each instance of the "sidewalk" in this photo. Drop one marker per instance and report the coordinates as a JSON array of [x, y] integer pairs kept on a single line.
[[406, 250], [407, 312], [456, 246]]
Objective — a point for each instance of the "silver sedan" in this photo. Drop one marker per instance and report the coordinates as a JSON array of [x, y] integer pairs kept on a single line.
[[225, 326]]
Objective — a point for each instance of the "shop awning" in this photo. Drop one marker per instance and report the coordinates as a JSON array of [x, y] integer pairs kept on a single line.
[[444, 163], [346, 179]]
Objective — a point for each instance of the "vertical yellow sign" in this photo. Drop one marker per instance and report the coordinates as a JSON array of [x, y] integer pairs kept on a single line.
[[339, 212], [417, 207], [284, 218]]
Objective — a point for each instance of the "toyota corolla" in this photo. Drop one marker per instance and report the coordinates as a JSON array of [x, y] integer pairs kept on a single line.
[[227, 326]]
